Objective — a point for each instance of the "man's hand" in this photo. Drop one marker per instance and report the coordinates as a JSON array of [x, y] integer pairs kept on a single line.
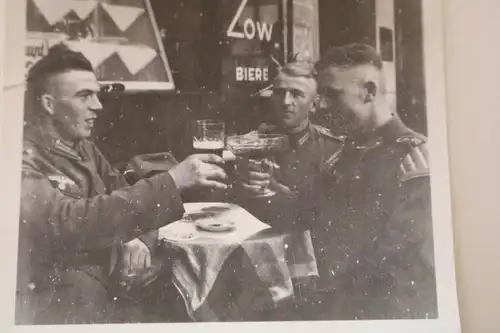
[[135, 256], [258, 176], [255, 176], [199, 170]]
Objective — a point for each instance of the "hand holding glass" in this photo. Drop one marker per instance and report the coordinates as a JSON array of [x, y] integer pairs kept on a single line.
[[256, 149], [255, 176]]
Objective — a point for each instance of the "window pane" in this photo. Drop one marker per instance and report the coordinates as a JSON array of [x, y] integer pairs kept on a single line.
[[118, 37]]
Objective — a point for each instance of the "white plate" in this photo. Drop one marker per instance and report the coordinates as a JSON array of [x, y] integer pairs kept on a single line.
[[172, 235], [215, 225]]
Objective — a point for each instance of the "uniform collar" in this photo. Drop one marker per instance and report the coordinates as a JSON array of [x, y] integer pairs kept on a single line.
[[389, 132], [35, 135], [299, 138], [294, 139]]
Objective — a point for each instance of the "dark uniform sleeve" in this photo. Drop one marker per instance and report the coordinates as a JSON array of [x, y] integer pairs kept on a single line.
[[307, 200], [112, 177], [64, 223], [299, 206], [114, 180], [391, 274], [405, 253]]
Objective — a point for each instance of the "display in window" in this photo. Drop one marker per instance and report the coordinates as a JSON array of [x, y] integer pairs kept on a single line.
[[120, 38]]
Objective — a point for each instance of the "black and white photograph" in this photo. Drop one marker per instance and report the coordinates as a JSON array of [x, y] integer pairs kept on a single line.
[[187, 161]]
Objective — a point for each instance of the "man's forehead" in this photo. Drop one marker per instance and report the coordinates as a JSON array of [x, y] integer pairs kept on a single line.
[[74, 80], [283, 80]]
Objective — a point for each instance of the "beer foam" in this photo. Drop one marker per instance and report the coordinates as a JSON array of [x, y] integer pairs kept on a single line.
[[208, 144]]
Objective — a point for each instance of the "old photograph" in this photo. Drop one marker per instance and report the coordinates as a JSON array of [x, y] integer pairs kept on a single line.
[[227, 161]]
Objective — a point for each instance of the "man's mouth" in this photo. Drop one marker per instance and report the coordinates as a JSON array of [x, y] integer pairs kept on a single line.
[[90, 121]]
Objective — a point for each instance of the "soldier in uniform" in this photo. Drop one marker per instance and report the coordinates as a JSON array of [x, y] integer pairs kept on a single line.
[[310, 151], [374, 244], [79, 219]]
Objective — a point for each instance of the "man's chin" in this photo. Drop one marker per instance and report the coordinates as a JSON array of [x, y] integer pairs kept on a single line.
[[285, 123], [84, 135]]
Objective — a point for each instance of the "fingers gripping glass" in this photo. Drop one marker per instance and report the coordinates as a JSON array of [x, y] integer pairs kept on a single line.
[[209, 137], [258, 148], [265, 166]]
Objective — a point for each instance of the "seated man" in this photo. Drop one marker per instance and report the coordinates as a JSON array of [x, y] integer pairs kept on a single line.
[[374, 242], [295, 174], [77, 212]]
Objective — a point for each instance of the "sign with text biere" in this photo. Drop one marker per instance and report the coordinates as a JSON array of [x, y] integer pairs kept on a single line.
[[253, 34]]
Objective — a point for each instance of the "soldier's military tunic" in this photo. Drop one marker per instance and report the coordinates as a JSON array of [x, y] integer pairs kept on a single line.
[[374, 245], [74, 208], [307, 155]]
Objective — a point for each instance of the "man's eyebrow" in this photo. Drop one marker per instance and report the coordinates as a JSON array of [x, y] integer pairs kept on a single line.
[[298, 91], [87, 91]]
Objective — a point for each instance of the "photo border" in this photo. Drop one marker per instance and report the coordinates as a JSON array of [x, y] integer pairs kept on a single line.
[[14, 19]]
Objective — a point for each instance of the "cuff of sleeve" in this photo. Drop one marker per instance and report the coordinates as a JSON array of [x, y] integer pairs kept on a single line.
[[167, 205], [150, 240]]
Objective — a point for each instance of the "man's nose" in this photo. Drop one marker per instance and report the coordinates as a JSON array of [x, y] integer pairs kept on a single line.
[[287, 98], [95, 103]]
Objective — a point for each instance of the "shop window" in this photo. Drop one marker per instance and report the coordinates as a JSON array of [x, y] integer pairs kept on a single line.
[[305, 30], [223, 46], [252, 46], [119, 37], [386, 44]]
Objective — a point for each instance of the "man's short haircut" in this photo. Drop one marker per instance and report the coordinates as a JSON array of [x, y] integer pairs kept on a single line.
[[349, 56], [59, 59], [299, 69]]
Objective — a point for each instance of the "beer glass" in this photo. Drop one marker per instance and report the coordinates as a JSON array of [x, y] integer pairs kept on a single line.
[[257, 149], [209, 137]]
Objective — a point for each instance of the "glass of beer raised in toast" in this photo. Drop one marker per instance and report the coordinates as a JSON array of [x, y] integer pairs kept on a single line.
[[209, 137]]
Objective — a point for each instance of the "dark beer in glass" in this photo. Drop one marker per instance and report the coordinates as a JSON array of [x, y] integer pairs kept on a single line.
[[209, 137]]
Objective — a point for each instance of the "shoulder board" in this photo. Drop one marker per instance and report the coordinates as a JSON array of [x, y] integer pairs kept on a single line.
[[413, 139], [328, 133], [415, 163], [328, 165]]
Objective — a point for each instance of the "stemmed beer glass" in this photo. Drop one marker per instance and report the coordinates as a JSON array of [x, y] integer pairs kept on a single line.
[[257, 148]]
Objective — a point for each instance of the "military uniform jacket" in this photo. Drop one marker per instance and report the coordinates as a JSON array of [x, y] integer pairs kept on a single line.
[[297, 180], [74, 208], [374, 245]]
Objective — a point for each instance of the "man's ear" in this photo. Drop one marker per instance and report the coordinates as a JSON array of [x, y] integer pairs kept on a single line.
[[370, 91], [315, 104], [48, 103]]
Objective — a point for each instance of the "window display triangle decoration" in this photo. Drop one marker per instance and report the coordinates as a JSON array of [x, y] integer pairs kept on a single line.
[[97, 53], [136, 57], [83, 8], [55, 10], [123, 16]]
